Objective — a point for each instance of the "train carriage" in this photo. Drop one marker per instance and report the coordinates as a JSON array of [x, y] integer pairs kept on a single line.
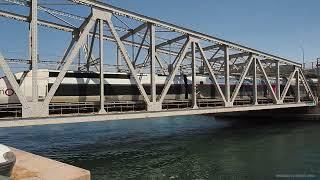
[[84, 87]]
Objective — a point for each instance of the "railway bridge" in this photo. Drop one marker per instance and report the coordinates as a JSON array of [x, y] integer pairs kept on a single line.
[[100, 38]]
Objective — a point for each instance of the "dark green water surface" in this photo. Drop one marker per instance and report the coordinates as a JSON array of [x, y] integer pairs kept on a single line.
[[192, 147]]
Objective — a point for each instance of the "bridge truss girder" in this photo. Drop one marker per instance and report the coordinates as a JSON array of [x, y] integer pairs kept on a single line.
[[190, 49]]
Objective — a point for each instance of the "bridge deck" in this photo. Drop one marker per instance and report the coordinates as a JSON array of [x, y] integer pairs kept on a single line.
[[77, 108], [66, 119]]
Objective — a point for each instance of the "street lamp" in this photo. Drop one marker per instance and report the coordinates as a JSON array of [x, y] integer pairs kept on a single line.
[[303, 64]]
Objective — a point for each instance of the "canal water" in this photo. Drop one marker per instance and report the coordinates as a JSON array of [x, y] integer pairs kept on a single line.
[[191, 147]]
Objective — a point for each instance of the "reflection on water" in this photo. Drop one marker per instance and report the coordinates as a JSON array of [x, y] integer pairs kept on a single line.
[[192, 147]]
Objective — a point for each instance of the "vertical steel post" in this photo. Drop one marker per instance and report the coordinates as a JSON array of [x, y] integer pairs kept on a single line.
[[298, 87], [227, 75], [278, 80], [194, 82], [34, 48], [118, 59], [88, 53], [79, 60], [153, 63], [30, 43], [102, 98], [255, 87]]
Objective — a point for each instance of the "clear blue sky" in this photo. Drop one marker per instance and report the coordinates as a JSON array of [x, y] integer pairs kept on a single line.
[[278, 27]]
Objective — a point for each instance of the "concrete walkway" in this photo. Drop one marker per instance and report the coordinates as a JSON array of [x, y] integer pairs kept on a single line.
[[33, 167]]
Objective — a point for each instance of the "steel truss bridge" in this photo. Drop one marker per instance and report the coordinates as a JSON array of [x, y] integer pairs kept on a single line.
[[142, 45]]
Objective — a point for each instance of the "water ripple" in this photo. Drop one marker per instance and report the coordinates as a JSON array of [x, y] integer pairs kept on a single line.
[[194, 147]]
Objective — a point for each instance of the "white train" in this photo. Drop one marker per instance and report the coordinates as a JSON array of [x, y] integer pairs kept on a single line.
[[84, 86]]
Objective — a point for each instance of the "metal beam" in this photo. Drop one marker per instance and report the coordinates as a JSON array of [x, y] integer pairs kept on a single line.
[[211, 47], [232, 56], [298, 95], [172, 27], [101, 49], [194, 75], [169, 81], [44, 23], [118, 59], [34, 48], [227, 75], [175, 28], [53, 12], [255, 87], [305, 83], [161, 64], [93, 59], [179, 38], [91, 45], [153, 89], [141, 44], [243, 76], [81, 40], [71, 29], [212, 75], [127, 60], [14, 84], [273, 95], [101, 13], [214, 54], [206, 49], [288, 84], [278, 80], [133, 31], [67, 51]]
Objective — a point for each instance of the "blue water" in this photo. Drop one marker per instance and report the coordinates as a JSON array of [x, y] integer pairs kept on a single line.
[[191, 147]]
